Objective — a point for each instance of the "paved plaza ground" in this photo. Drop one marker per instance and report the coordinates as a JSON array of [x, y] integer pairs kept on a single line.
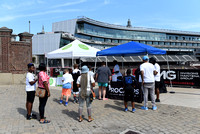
[[177, 113]]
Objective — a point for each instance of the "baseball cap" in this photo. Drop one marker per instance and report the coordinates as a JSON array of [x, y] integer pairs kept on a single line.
[[30, 64], [145, 58]]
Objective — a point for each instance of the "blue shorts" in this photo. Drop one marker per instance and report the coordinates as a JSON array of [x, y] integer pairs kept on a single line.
[[100, 84], [67, 86]]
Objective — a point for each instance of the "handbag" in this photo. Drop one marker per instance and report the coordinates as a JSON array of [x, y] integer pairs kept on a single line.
[[91, 97], [40, 92]]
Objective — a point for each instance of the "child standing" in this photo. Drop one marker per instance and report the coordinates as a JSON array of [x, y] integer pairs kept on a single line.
[[67, 86], [129, 83], [30, 90], [76, 73]]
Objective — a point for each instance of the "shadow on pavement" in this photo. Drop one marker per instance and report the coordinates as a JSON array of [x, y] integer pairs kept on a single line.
[[119, 105], [23, 112], [72, 114]]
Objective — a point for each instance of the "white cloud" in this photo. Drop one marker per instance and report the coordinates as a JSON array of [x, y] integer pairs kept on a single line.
[[12, 6], [69, 3], [9, 18]]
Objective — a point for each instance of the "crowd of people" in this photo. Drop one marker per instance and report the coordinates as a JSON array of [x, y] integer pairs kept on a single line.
[[80, 83]]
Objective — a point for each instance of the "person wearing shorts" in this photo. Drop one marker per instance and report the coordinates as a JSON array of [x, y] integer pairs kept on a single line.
[[30, 91], [129, 83], [103, 76], [67, 86], [75, 74]]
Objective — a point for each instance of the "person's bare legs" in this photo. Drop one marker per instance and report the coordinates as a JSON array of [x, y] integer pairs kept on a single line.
[[29, 107], [125, 104], [104, 93], [67, 97], [157, 93], [100, 87], [133, 104]]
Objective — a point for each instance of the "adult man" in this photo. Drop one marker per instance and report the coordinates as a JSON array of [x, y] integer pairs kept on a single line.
[[103, 76], [30, 90], [116, 69], [156, 77], [147, 75]]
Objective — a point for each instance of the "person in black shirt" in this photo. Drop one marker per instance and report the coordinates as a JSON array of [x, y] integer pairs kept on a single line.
[[129, 82]]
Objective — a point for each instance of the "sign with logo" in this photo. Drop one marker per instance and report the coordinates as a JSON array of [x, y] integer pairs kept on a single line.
[[181, 77], [116, 91]]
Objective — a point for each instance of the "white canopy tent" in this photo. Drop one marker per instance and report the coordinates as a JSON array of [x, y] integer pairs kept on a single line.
[[73, 50]]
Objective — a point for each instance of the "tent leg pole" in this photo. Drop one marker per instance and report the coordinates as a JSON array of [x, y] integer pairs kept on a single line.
[[106, 61], [62, 63], [168, 70], [47, 67], [95, 66]]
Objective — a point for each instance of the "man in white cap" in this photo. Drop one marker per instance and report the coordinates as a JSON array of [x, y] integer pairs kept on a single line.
[[147, 74]]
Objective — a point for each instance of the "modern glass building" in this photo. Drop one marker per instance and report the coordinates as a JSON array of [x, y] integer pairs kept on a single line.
[[181, 46]]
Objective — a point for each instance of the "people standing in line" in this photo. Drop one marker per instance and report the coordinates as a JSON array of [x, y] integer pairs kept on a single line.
[[30, 91], [129, 83], [43, 83], [85, 82], [67, 86], [156, 77], [116, 69], [147, 75], [75, 74], [103, 76]]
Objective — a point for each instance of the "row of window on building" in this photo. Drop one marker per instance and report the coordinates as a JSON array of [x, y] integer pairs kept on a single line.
[[106, 40], [187, 38]]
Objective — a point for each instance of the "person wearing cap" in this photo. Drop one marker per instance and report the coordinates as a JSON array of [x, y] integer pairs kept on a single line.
[[156, 77], [147, 74], [84, 82], [30, 91]]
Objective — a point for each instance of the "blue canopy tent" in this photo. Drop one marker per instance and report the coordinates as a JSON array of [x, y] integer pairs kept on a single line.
[[130, 48]]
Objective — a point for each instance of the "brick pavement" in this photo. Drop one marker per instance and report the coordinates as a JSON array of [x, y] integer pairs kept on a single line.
[[108, 117]]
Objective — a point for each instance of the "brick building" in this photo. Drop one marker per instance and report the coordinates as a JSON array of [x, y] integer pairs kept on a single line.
[[14, 55]]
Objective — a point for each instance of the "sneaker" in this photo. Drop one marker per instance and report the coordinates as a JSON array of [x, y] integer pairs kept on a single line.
[[157, 100], [61, 101], [133, 110], [126, 109], [33, 116], [28, 117], [66, 103], [144, 108], [74, 101], [154, 108]]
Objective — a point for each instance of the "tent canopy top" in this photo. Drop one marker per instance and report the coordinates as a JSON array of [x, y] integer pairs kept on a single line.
[[130, 48]]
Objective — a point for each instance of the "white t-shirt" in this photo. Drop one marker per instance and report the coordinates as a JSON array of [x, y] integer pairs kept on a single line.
[[90, 80], [67, 78], [30, 78], [116, 68], [91, 73], [157, 68], [148, 70]]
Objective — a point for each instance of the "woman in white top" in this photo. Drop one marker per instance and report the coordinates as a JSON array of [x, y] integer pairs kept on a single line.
[[85, 81], [67, 86]]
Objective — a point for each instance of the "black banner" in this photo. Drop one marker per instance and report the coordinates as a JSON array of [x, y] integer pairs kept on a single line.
[[181, 77], [116, 91]]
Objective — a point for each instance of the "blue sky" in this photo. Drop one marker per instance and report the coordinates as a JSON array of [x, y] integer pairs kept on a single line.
[[164, 14]]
